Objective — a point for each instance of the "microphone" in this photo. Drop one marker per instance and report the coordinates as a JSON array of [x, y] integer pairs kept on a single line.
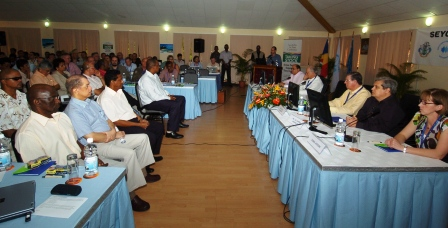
[[375, 111]]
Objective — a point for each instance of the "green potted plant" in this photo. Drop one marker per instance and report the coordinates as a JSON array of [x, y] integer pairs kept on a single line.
[[404, 76], [243, 65]]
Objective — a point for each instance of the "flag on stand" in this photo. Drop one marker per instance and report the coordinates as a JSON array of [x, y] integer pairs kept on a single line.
[[324, 61], [337, 68], [350, 59]]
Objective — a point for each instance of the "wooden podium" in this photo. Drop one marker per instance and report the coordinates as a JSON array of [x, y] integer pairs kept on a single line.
[[269, 70]]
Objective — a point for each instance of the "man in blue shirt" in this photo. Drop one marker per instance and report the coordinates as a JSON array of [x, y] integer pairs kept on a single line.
[[90, 121], [274, 59]]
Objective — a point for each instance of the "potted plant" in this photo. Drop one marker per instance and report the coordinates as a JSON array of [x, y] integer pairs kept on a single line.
[[243, 66], [403, 76]]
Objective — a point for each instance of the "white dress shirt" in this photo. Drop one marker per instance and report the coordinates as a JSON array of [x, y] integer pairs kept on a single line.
[[151, 89], [115, 105], [315, 84], [95, 83], [295, 78]]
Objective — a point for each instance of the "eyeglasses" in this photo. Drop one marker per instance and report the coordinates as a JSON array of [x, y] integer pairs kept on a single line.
[[348, 80], [49, 98], [15, 79], [425, 103]]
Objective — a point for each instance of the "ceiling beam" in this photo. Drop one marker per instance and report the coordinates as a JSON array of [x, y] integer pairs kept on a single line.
[[317, 16]]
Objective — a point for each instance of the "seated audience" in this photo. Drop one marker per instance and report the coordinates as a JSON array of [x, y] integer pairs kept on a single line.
[[120, 58], [96, 58], [42, 75], [170, 58], [90, 121], [179, 61], [154, 97], [96, 83], [135, 60], [118, 110], [13, 105], [297, 75], [196, 63], [215, 67], [4, 63], [60, 75], [25, 71], [429, 125], [168, 72], [129, 65], [115, 65], [381, 112], [70, 66], [139, 71], [353, 98]]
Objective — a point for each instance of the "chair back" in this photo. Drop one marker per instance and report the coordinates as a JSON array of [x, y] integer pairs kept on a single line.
[[191, 71], [183, 68], [340, 89], [203, 72], [139, 108], [191, 78], [325, 87]]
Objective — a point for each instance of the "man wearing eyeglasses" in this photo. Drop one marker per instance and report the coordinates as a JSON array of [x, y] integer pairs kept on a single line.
[[381, 112], [13, 105], [353, 98], [43, 76]]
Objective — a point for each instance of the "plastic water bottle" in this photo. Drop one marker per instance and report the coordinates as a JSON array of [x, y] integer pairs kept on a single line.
[[301, 106], [181, 79], [90, 158], [339, 134], [172, 80], [5, 154]]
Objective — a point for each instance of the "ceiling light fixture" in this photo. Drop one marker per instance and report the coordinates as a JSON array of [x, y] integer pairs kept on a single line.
[[166, 27], [429, 21], [105, 25], [222, 29], [47, 23], [279, 31], [364, 29]]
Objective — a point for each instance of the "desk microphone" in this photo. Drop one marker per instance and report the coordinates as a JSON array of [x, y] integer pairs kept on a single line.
[[375, 111]]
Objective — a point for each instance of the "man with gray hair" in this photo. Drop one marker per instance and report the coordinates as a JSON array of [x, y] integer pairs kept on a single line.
[[43, 76], [381, 112]]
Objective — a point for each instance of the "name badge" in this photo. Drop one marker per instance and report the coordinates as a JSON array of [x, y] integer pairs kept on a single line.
[[281, 110]]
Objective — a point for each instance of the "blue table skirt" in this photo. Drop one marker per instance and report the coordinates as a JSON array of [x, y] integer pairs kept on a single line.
[[319, 198], [208, 92], [191, 94]]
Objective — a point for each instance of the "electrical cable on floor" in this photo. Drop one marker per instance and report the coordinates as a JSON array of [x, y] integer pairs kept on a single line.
[[208, 144], [213, 108], [284, 212]]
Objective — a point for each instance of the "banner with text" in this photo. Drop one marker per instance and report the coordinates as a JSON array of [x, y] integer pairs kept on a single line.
[[431, 47], [292, 52]]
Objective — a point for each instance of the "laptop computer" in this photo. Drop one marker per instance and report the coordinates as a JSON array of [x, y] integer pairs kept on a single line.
[[17, 200], [212, 69]]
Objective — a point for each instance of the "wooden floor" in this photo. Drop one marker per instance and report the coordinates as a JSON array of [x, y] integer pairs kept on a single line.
[[214, 176]]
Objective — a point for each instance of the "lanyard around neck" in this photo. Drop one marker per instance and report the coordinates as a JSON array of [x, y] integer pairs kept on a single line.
[[347, 99], [310, 82]]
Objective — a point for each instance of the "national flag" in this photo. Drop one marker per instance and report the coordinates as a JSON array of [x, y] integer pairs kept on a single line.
[[337, 68], [350, 59], [324, 61]]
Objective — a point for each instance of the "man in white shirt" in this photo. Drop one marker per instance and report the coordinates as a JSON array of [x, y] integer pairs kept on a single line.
[[311, 81], [179, 61], [352, 100], [96, 83], [214, 67], [154, 97], [296, 75], [226, 58]]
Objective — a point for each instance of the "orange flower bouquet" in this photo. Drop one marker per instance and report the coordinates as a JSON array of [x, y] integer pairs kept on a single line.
[[269, 95]]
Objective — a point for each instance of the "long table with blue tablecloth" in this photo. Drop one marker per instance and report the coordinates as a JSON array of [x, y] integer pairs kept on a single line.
[[208, 90], [346, 189], [108, 203]]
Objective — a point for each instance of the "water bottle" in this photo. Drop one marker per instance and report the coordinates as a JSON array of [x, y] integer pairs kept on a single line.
[[339, 134], [5, 155], [172, 80], [181, 79], [90, 158], [301, 106]]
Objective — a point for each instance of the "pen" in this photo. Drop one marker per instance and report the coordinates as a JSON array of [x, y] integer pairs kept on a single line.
[[374, 142], [53, 176]]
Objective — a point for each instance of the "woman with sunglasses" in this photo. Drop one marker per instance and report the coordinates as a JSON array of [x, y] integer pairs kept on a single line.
[[430, 126]]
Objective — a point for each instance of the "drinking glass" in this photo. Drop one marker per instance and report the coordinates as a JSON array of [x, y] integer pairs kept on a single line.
[[356, 138]]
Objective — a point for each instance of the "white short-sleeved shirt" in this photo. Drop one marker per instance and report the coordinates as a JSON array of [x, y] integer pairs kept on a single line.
[[115, 105], [151, 89]]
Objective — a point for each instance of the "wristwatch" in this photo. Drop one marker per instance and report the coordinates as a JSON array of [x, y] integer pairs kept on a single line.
[[404, 148]]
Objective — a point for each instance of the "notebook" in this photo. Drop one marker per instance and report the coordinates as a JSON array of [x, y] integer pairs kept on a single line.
[[17, 200]]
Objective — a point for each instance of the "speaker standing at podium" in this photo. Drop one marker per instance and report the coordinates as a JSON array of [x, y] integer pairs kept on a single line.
[[274, 59], [226, 58]]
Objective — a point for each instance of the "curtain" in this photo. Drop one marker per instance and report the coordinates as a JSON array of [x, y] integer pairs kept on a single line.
[[143, 43], [26, 39], [184, 44], [81, 40], [385, 48]]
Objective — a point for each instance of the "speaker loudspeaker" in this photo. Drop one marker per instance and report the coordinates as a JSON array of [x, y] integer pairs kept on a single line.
[[2, 38], [199, 45]]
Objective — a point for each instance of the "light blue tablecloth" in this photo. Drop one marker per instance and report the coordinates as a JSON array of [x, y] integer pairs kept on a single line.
[[345, 198], [191, 94], [208, 92], [108, 203]]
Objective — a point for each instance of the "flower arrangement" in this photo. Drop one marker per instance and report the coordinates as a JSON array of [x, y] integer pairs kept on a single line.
[[269, 95]]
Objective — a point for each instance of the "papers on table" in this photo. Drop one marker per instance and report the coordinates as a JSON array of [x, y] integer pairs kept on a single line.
[[59, 206]]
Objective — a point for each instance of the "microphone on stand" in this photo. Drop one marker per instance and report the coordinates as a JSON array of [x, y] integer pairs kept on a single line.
[[375, 111]]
